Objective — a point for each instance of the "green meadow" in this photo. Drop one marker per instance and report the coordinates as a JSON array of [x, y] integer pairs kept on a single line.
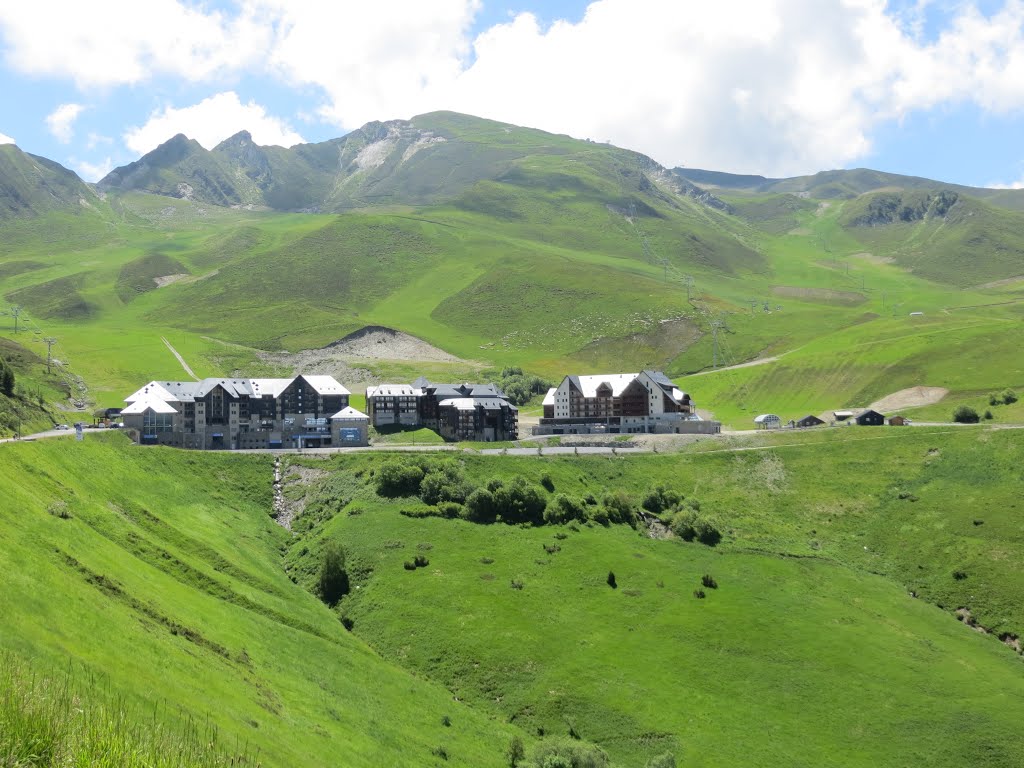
[[831, 637]]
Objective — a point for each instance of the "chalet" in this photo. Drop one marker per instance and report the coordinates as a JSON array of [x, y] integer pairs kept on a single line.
[[645, 402], [809, 421], [843, 415], [236, 413], [869, 418], [898, 421], [768, 421]]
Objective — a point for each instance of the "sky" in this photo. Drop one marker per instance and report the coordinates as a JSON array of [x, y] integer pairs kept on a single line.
[[930, 88]]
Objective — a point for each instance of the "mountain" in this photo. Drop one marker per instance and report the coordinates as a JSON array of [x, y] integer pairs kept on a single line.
[[31, 186], [840, 185], [430, 159]]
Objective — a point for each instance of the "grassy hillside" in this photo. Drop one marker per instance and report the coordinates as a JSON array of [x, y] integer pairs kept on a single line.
[[157, 576], [812, 631], [508, 246]]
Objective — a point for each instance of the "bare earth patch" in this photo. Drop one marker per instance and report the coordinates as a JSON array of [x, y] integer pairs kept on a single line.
[[819, 294], [184, 277], [912, 397], [343, 358], [871, 258]]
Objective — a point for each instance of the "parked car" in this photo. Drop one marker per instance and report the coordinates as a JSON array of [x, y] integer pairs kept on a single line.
[[62, 426]]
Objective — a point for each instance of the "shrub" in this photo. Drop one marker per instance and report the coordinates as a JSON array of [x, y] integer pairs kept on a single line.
[[516, 584], [552, 548], [959, 575], [444, 482], [567, 753], [449, 509], [690, 526], [611, 580], [964, 414], [994, 399], [619, 507], [334, 583], [700, 594], [409, 565], [395, 478], [480, 507], [708, 581], [562, 509], [519, 502], [987, 415], [547, 482], [659, 499], [420, 561]]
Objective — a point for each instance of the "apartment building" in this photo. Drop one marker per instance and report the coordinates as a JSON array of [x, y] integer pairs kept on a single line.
[[239, 413]]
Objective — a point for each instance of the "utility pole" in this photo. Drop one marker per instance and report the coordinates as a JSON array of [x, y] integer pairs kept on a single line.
[[49, 342], [15, 311], [689, 286], [715, 325]]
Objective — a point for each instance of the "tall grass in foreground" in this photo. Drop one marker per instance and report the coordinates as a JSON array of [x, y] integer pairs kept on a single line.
[[48, 722]]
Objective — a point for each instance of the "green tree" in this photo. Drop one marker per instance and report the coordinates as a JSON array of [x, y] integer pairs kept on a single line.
[[334, 583], [515, 752], [6, 378]]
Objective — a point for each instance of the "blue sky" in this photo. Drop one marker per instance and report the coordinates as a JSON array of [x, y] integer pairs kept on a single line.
[[931, 88]]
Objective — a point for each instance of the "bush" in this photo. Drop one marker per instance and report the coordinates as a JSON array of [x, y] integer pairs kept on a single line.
[[659, 499], [562, 509], [1008, 396], [334, 583], [444, 482], [547, 482], [667, 760], [700, 594], [964, 414], [480, 507], [565, 753], [449, 509], [409, 565], [420, 561], [519, 502], [690, 526], [708, 581], [396, 478], [619, 507], [987, 415], [611, 580]]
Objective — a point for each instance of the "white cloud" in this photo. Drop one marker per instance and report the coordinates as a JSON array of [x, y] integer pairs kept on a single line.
[[127, 41], [210, 122], [93, 171], [374, 61], [5, 139], [95, 139], [61, 122], [772, 86]]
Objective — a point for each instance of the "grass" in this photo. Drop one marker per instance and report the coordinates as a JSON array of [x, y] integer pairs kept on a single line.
[[67, 721], [162, 576], [812, 627]]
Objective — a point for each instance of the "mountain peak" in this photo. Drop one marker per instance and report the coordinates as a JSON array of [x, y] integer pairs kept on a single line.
[[241, 139]]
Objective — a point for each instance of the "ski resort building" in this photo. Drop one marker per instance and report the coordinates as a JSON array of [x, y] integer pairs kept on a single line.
[[474, 412], [243, 413], [620, 403]]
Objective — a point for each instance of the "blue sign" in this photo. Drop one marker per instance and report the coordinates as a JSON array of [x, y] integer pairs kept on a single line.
[[349, 435]]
